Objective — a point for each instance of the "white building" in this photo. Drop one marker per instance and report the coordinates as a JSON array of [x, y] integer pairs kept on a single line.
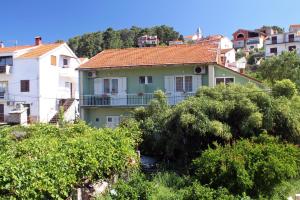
[[288, 41], [42, 78]]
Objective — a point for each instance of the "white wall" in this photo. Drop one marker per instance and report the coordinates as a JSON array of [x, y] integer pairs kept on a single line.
[[52, 83]]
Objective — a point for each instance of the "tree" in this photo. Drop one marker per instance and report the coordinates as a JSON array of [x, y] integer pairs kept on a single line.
[[254, 167], [283, 66], [112, 39], [284, 88]]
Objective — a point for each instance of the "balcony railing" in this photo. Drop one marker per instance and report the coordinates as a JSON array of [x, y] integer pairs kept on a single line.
[[129, 99], [3, 95]]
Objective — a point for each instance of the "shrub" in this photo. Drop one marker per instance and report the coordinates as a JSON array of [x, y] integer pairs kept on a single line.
[[49, 161], [284, 88], [254, 167]]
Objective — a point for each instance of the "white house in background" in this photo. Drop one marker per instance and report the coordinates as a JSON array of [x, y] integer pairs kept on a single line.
[[41, 78], [193, 38], [288, 41]]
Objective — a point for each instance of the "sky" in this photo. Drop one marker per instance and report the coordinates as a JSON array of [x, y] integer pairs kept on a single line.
[[22, 20]]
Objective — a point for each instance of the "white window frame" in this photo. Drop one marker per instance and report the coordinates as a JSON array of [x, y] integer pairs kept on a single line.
[[115, 121], [110, 85], [224, 77], [183, 76], [68, 62]]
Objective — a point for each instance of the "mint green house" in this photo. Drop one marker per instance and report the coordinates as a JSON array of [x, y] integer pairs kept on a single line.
[[114, 82]]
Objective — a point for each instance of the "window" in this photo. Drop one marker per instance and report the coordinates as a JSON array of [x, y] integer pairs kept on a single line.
[[111, 85], [291, 38], [3, 88], [292, 48], [24, 86], [274, 40], [114, 86], [224, 80], [106, 86], [145, 79], [112, 121], [53, 60], [184, 83], [240, 35], [65, 62], [188, 84], [273, 50], [6, 60], [179, 84]]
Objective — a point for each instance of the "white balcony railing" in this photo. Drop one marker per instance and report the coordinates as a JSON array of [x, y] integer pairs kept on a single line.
[[129, 99]]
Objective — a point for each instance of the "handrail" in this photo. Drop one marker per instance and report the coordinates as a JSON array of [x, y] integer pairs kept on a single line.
[[140, 99]]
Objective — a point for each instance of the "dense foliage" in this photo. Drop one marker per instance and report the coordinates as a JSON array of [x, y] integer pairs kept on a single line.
[[253, 167], [166, 186], [283, 66], [222, 114], [90, 44], [45, 162]]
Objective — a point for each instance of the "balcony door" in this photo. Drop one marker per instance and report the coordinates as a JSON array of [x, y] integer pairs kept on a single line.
[[179, 87], [112, 90]]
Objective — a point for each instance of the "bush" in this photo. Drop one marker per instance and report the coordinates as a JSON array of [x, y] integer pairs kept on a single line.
[[48, 161], [254, 167], [284, 88]]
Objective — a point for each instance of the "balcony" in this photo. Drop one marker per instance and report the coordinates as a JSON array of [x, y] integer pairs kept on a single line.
[[130, 100]]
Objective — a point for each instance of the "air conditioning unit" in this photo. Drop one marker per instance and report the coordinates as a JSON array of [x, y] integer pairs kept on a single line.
[[91, 74], [200, 70]]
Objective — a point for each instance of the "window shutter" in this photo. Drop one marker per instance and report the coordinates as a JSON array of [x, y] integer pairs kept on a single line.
[[169, 84], [98, 86], [122, 85], [197, 82]]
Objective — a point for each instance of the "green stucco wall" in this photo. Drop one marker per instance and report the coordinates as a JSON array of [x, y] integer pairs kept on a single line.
[[92, 114], [133, 86]]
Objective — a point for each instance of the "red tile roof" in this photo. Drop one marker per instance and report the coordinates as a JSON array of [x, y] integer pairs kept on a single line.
[[151, 56], [13, 49]]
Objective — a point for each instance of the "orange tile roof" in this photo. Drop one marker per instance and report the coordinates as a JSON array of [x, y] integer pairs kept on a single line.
[[13, 49], [150, 56], [40, 50]]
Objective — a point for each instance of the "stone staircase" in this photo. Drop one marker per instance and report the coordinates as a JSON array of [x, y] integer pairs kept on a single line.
[[66, 104]]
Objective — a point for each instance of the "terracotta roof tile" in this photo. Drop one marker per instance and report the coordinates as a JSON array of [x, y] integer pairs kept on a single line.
[[40, 50], [149, 56], [13, 49], [295, 25]]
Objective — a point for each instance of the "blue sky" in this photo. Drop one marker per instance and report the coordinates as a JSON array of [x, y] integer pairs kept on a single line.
[[62, 19]]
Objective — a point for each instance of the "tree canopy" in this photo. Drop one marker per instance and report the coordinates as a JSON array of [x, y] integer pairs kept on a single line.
[[90, 44]]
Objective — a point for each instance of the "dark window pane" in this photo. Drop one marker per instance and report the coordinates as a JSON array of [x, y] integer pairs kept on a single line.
[[142, 79], [114, 86], [106, 85], [188, 84], [149, 79], [220, 81], [229, 80], [179, 84]]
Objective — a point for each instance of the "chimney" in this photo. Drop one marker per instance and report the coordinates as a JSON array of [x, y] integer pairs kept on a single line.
[[38, 40], [1, 44]]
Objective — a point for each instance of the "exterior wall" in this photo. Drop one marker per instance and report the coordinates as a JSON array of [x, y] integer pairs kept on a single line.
[[25, 69], [133, 86], [282, 44], [47, 83], [54, 88], [226, 43], [96, 115]]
